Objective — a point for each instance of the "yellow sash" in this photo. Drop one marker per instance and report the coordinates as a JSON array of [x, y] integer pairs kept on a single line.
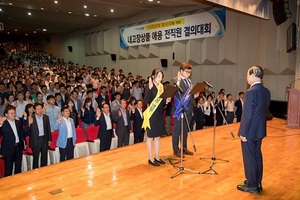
[[152, 107]]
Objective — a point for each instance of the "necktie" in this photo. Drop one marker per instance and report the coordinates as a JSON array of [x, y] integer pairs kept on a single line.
[[186, 82]]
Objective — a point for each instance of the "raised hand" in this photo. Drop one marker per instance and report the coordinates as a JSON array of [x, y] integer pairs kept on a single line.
[[98, 113], [2, 119], [15, 104], [45, 106], [150, 82], [30, 120], [120, 114], [25, 114], [59, 118], [178, 76]]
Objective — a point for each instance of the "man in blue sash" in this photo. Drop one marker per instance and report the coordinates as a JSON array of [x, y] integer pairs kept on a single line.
[[182, 100]]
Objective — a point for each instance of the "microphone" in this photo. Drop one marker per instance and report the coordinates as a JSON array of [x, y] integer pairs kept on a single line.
[[178, 87], [208, 84]]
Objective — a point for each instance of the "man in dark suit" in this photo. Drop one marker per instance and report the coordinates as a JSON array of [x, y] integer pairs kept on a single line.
[[77, 102], [220, 108], [13, 141], [253, 129], [137, 118], [184, 83], [239, 106], [199, 114], [40, 135], [105, 132], [122, 119], [102, 97], [63, 92]]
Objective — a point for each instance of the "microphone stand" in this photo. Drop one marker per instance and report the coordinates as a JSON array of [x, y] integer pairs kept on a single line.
[[181, 167], [213, 158]]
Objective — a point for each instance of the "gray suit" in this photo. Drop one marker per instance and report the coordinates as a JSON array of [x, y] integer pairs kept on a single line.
[[122, 130]]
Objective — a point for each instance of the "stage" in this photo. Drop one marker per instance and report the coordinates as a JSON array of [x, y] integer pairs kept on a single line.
[[124, 173]]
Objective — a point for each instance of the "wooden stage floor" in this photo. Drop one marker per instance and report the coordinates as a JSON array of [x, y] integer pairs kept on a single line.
[[125, 174]]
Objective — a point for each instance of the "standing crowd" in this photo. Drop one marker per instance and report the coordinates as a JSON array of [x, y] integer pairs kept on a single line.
[[40, 94]]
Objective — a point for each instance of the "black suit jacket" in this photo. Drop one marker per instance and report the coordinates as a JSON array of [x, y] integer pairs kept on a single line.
[[102, 130], [100, 100], [9, 139], [239, 107], [34, 131], [137, 121], [256, 105], [198, 114]]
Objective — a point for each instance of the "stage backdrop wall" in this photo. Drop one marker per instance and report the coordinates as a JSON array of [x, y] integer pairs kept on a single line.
[[224, 61]]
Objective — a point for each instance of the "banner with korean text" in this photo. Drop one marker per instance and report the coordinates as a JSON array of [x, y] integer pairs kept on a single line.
[[207, 24]]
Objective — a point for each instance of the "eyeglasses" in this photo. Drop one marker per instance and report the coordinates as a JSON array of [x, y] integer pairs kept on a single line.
[[187, 71]]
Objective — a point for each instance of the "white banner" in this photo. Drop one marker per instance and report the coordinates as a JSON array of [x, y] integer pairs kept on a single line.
[[208, 24]]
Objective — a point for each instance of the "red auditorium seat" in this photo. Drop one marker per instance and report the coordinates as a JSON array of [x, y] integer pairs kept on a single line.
[[81, 146], [92, 138]]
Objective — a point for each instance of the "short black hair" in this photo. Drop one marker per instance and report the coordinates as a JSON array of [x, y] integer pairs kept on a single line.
[[8, 108], [50, 97], [38, 104]]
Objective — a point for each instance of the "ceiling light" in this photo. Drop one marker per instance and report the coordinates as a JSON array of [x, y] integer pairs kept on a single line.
[[44, 29], [0, 10], [26, 34], [70, 12], [87, 14], [158, 1], [10, 4], [34, 31], [95, 16], [112, 10], [16, 30], [150, 0], [56, 2], [42, 8], [84, 6], [8, 33], [29, 13]]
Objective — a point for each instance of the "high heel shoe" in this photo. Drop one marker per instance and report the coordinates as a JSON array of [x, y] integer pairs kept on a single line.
[[160, 161], [154, 163]]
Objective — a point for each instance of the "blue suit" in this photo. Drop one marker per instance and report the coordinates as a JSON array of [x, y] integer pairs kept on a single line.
[[188, 111], [253, 127], [65, 144]]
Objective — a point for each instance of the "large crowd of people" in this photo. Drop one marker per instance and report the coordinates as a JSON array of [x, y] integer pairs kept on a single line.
[[46, 93]]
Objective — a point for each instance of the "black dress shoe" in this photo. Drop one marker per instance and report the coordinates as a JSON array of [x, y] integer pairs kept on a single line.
[[260, 189], [154, 163], [244, 188], [187, 152], [160, 161], [177, 153]]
